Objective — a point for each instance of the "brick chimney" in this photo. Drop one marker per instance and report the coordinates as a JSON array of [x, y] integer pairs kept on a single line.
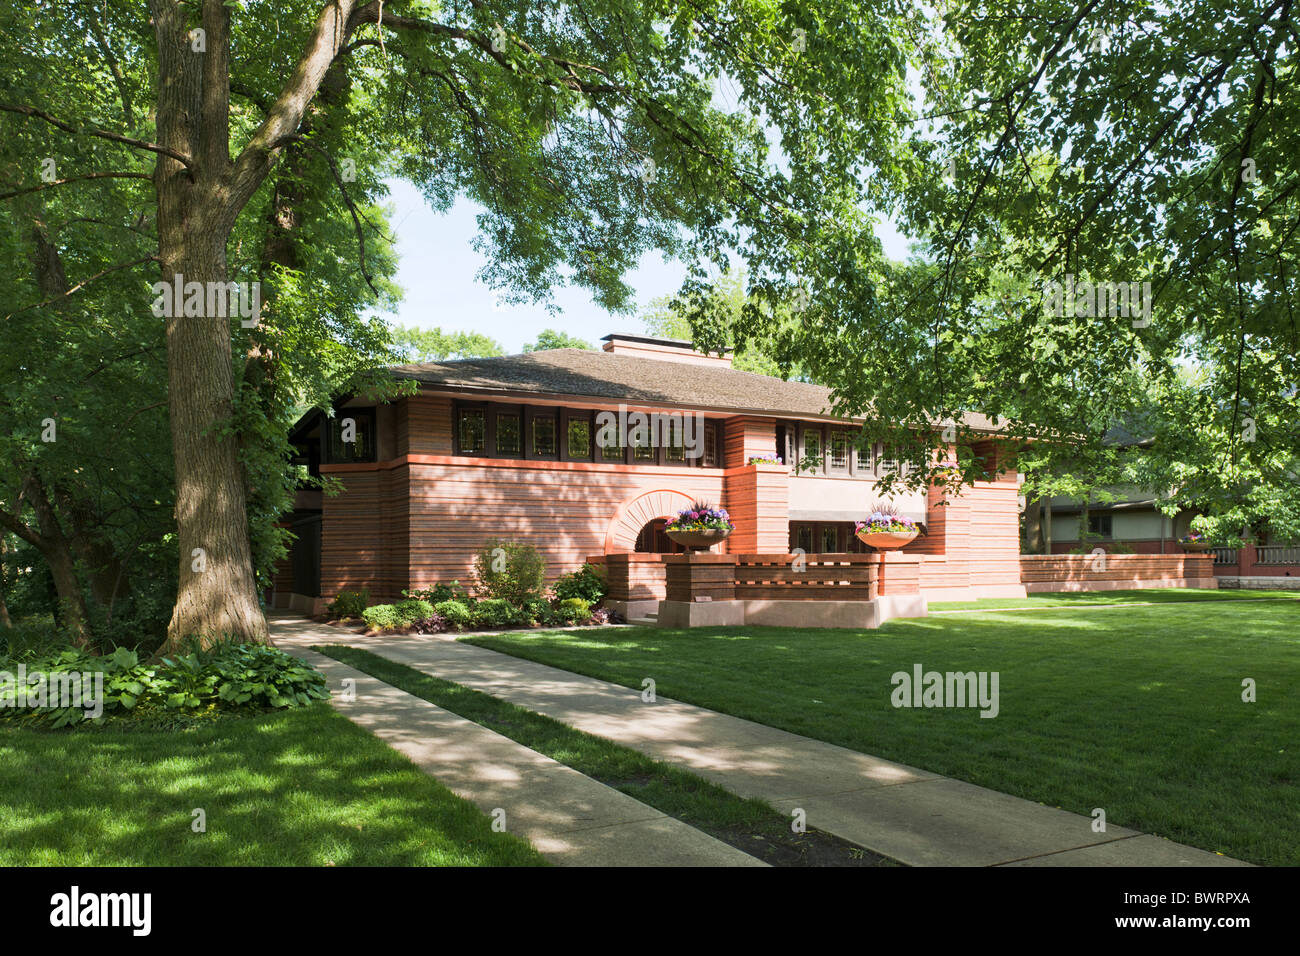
[[667, 350]]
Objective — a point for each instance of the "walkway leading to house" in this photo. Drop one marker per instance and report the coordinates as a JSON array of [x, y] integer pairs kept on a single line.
[[571, 819], [911, 815]]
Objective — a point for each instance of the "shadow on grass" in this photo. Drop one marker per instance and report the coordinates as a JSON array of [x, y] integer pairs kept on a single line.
[[295, 788]]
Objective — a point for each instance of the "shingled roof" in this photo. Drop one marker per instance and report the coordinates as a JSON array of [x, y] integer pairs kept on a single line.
[[627, 378]]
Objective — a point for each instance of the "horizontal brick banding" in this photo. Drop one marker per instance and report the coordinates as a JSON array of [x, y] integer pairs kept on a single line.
[[1046, 572]]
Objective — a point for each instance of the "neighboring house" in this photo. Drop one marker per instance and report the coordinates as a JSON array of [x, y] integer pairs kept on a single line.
[[515, 448], [1130, 519]]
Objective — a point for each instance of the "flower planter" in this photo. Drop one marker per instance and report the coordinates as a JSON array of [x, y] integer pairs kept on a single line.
[[1195, 547], [886, 540], [698, 540]]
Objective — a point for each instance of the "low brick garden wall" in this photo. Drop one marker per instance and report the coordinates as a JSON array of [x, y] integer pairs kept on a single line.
[[1115, 572]]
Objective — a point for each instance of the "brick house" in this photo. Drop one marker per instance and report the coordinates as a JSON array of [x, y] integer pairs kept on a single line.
[[517, 447]]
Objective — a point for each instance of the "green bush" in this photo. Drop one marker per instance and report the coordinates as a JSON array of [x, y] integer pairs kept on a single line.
[[456, 613], [495, 612], [348, 604], [439, 593], [509, 571], [412, 610], [539, 611], [382, 617], [588, 583], [575, 610], [228, 677]]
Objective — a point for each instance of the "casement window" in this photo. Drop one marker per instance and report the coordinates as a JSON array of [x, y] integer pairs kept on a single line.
[[642, 448], [509, 434], [1100, 525], [840, 452], [830, 539], [812, 459], [350, 436], [577, 436], [887, 463], [709, 459], [610, 449], [803, 538], [674, 439], [541, 436]]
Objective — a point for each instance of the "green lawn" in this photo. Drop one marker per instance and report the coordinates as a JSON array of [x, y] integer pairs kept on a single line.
[[750, 825], [1083, 598], [1135, 710], [297, 788]]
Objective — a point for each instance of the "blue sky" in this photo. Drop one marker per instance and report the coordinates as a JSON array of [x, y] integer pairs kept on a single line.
[[438, 266]]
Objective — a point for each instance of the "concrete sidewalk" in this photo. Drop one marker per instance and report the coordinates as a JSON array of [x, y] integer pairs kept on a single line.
[[914, 816], [571, 819]]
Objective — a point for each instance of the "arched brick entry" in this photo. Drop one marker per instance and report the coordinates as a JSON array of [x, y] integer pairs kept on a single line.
[[634, 513]]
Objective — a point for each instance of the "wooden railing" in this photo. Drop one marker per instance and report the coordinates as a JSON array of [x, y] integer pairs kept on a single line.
[[1277, 554], [807, 577]]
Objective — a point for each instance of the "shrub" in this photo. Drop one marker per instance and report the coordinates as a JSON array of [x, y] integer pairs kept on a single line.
[[539, 611], [509, 571], [382, 617], [575, 610], [439, 593], [495, 612], [412, 610], [348, 604], [435, 623], [454, 613], [228, 677], [588, 583]]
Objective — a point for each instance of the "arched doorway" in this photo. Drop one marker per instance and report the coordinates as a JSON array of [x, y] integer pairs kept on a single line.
[[654, 540], [634, 514]]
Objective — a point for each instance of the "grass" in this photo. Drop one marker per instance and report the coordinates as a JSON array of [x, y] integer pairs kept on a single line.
[[1088, 598], [750, 825], [1136, 710], [304, 787]]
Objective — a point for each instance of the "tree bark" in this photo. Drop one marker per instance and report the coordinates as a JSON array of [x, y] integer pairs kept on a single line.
[[5, 619], [200, 195], [53, 544], [217, 593]]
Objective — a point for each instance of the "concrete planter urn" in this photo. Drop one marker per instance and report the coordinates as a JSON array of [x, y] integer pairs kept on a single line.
[[1195, 547], [886, 540], [700, 540]]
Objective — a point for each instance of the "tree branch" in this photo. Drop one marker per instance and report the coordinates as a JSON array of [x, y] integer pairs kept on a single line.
[[93, 131], [74, 179], [84, 282]]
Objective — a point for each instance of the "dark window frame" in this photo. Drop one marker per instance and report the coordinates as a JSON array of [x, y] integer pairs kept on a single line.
[[577, 415], [498, 410], [831, 467], [333, 435], [532, 414], [1105, 527], [804, 431]]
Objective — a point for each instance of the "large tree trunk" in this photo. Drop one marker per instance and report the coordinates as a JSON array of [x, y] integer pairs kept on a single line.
[[217, 593], [200, 195]]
